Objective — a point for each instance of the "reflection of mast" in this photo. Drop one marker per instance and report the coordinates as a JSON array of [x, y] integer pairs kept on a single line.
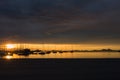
[[21, 46], [4, 48], [24, 46], [43, 45], [17, 46]]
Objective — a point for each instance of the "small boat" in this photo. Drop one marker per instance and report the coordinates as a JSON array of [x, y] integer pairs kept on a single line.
[[72, 51], [54, 51], [48, 52], [42, 53], [60, 51]]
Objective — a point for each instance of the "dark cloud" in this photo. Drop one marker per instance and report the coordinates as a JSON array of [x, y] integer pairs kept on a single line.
[[66, 21]]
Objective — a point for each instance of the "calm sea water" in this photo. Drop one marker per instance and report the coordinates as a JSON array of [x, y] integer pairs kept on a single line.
[[67, 55]]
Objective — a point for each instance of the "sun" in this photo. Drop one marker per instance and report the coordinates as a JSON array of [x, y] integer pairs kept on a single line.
[[10, 46]]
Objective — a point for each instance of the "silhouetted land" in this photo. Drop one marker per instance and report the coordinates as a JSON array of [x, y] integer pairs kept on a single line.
[[60, 51], [27, 52], [60, 69]]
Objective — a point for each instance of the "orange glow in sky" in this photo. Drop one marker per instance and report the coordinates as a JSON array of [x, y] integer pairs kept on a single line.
[[61, 46]]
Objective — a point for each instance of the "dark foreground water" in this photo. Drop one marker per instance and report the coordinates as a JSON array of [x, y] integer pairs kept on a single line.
[[60, 69], [61, 66]]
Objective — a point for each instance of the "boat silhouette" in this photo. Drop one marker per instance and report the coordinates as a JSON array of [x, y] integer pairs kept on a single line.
[[42, 53]]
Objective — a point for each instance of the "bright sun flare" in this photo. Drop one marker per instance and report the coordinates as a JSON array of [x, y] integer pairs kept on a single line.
[[8, 57], [10, 46]]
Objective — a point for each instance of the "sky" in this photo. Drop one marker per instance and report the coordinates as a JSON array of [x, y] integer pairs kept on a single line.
[[60, 21]]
